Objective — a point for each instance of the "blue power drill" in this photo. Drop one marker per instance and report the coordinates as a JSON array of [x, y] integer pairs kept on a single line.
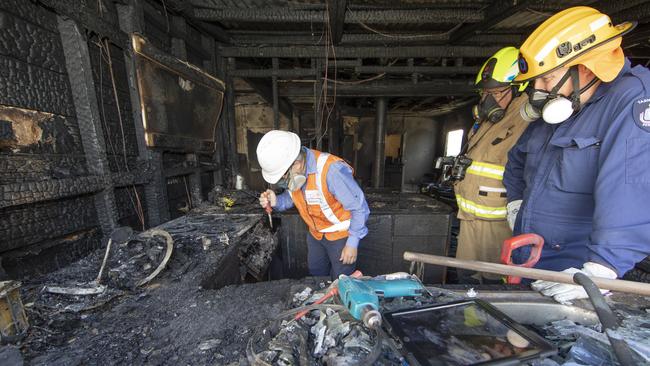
[[361, 296]]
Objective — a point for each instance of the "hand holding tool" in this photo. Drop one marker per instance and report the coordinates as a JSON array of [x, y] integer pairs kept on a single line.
[[517, 242], [361, 296], [630, 287], [267, 207]]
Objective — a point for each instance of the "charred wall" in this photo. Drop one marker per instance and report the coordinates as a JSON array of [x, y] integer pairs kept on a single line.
[[73, 160]]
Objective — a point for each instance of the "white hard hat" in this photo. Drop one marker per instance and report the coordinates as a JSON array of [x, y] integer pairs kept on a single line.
[[276, 152]]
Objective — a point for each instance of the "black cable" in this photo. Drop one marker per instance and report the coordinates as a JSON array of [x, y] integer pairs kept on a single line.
[[607, 318]]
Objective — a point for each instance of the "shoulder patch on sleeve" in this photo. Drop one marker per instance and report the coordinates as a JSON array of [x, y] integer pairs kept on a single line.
[[642, 113]]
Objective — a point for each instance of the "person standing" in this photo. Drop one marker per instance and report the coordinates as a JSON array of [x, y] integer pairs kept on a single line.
[[480, 195], [323, 190], [580, 176]]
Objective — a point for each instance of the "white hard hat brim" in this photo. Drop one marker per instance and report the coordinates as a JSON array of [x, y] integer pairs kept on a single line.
[[274, 176]]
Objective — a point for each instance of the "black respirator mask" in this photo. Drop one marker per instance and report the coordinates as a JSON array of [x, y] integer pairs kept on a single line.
[[488, 109], [553, 107]]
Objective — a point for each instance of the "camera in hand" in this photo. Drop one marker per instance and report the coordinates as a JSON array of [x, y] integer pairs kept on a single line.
[[453, 168]]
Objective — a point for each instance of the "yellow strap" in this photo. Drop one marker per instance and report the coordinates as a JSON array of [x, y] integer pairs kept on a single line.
[[477, 210], [486, 170]]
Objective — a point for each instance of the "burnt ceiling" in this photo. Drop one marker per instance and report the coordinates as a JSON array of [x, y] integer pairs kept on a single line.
[[422, 54]]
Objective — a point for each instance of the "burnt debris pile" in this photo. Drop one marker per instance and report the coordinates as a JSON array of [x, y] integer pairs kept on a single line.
[[152, 298]]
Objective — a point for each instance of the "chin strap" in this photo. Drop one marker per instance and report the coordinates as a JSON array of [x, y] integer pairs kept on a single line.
[[575, 95]]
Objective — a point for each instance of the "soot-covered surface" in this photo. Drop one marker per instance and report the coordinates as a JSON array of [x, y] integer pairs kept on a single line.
[[172, 321], [177, 318]]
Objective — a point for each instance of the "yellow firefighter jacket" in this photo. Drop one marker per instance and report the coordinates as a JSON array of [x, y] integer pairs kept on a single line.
[[481, 194]]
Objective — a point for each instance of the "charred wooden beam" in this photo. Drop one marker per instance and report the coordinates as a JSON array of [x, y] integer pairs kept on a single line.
[[336, 10], [185, 9], [428, 70], [231, 126], [392, 70], [30, 192], [387, 89], [77, 61], [359, 52], [289, 15], [410, 39], [88, 19], [495, 13], [155, 197], [640, 13], [267, 73], [176, 29], [275, 96]]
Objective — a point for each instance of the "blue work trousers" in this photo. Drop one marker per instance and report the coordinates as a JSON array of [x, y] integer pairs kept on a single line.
[[323, 257]]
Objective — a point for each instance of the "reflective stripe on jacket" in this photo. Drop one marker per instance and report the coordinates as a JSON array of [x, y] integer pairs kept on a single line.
[[481, 194], [320, 210]]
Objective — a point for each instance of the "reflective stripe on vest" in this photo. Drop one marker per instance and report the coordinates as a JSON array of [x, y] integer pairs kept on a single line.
[[486, 170], [475, 209], [337, 225]]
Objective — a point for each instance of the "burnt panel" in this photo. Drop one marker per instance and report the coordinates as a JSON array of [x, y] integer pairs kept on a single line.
[[32, 12], [28, 224], [30, 43], [23, 168], [421, 225], [436, 245], [373, 248], [29, 192], [33, 132], [181, 103], [34, 88]]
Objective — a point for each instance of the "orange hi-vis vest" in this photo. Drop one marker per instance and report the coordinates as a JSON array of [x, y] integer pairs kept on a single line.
[[320, 210]]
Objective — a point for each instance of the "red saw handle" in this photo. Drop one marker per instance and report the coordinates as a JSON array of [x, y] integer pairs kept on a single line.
[[517, 242]]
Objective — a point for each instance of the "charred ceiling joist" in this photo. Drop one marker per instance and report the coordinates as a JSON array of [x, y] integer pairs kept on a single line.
[[387, 89], [359, 52], [289, 15]]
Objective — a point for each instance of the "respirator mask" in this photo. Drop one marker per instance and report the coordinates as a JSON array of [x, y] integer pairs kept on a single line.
[[292, 181], [488, 109], [554, 108]]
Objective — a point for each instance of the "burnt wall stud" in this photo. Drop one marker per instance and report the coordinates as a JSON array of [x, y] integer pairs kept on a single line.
[[212, 67], [276, 106], [380, 142], [79, 70], [233, 160], [131, 18], [318, 103]]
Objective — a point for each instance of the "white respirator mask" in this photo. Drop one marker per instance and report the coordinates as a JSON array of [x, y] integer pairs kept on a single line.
[[554, 108], [296, 181]]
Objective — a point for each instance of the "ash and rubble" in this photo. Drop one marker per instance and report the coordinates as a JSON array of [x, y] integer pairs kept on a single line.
[[176, 317], [579, 344]]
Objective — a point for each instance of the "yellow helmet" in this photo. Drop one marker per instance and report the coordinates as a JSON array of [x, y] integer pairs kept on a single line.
[[499, 70], [578, 35]]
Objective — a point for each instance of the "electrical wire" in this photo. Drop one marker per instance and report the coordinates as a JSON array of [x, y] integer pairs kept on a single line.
[[415, 36], [187, 192], [105, 55]]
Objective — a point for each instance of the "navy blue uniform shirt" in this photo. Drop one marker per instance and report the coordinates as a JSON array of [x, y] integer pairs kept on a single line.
[[585, 183]]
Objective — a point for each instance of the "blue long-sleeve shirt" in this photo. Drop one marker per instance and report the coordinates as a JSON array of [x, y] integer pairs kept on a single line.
[[585, 183], [345, 189]]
